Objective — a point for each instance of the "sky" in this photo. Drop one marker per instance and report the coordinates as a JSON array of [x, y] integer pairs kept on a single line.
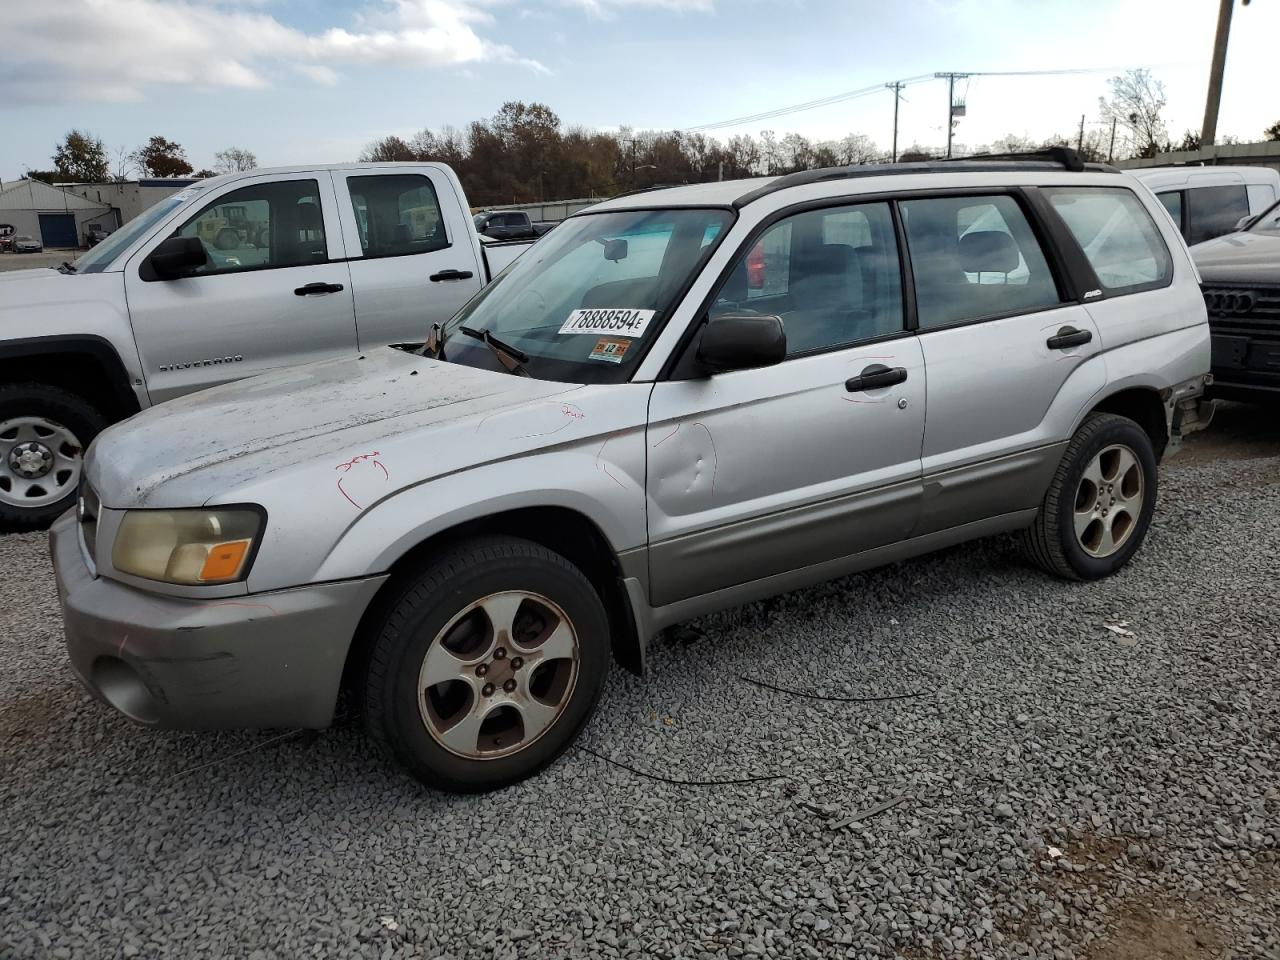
[[300, 81]]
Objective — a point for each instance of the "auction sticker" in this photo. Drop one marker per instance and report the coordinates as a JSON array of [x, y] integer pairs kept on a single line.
[[620, 321], [609, 350]]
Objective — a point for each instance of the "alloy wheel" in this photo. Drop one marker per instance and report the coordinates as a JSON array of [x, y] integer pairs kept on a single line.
[[499, 675], [1109, 501]]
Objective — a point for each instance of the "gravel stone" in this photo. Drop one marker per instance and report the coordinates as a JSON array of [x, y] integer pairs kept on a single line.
[[1152, 769]]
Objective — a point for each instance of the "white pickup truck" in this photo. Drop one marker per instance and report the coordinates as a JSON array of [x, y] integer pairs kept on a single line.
[[231, 277]]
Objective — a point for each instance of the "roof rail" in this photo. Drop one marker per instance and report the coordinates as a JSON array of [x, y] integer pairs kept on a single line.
[[1062, 157]]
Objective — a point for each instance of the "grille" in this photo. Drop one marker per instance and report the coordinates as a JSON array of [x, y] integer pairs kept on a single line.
[[1245, 308]]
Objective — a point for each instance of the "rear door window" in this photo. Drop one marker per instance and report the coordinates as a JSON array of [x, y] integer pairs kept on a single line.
[[1117, 234], [1213, 211], [975, 257], [397, 214]]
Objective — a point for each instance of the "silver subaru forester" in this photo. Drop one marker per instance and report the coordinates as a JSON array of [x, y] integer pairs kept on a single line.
[[677, 401]]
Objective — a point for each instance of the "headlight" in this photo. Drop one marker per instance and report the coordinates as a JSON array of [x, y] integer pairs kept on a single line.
[[188, 546]]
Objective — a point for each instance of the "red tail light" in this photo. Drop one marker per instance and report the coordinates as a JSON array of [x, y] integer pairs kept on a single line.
[[755, 267]]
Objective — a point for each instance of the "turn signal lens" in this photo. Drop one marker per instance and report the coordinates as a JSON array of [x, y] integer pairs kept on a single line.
[[224, 560], [189, 547]]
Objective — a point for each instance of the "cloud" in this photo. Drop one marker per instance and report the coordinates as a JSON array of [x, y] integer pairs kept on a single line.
[[118, 50], [608, 9]]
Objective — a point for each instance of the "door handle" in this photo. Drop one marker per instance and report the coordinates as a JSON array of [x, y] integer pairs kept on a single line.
[[311, 289], [875, 376], [451, 275], [1068, 337]]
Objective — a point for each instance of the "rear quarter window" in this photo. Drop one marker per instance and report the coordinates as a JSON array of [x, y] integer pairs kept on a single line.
[[1117, 235]]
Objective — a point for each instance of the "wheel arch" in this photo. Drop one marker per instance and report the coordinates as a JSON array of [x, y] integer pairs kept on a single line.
[[563, 530], [1145, 405], [85, 365]]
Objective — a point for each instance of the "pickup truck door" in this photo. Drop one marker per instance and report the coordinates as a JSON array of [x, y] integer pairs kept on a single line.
[[412, 248], [275, 291]]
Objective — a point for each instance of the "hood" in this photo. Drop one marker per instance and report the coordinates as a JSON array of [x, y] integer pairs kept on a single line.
[[1239, 258], [198, 448], [35, 274]]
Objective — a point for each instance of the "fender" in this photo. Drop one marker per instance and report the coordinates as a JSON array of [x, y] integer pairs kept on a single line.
[[613, 500], [98, 348]]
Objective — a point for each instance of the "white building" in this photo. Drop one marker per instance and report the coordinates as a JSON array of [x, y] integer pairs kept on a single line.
[[57, 218], [128, 197]]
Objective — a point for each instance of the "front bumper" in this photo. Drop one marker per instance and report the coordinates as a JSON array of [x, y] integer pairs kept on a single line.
[[262, 660]]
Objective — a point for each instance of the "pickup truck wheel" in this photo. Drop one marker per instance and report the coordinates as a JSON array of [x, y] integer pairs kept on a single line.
[[486, 665], [43, 433], [1096, 512]]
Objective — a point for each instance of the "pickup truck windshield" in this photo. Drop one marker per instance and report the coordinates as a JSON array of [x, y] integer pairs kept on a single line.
[[583, 303], [105, 253]]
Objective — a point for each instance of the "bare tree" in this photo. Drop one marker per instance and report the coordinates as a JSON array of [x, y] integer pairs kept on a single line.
[[1136, 101], [857, 148], [234, 160]]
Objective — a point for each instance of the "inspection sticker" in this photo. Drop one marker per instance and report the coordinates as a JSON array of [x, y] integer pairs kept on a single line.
[[620, 321], [609, 350]]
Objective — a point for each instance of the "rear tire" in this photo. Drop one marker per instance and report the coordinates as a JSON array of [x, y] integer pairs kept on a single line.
[[1098, 507], [486, 664], [44, 432]]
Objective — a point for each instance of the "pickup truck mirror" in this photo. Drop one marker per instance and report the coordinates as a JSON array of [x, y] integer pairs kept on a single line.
[[741, 343], [1244, 223], [177, 257]]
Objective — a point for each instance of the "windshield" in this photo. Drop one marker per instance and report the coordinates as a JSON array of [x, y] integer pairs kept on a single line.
[[583, 303], [1268, 223], [102, 256]]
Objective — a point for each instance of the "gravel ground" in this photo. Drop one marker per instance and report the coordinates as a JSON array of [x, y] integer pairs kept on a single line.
[[1045, 787]]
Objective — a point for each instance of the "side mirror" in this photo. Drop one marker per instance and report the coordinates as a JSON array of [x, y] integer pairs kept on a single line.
[[1244, 223], [177, 257], [741, 343]]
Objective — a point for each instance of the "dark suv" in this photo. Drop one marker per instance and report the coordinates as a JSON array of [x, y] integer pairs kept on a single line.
[[1240, 276]]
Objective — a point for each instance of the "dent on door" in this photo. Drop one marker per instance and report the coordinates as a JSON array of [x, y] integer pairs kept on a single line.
[[761, 472]]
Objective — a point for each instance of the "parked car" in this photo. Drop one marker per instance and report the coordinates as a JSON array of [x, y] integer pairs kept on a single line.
[[1207, 202], [623, 432], [1240, 274], [509, 225], [305, 263], [25, 244]]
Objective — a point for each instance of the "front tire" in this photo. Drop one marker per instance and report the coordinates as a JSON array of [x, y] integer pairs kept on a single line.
[[486, 664], [1098, 507], [44, 432]]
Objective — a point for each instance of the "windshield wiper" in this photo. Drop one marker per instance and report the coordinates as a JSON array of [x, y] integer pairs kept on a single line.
[[511, 358], [67, 267]]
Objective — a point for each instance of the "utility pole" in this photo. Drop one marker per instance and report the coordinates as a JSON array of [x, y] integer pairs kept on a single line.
[[1209, 129], [896, 87], [1111, 150], [1080, 139], [953, 109]]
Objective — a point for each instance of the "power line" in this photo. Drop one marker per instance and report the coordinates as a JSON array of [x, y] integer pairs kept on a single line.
[[876, 88], [808, 105]]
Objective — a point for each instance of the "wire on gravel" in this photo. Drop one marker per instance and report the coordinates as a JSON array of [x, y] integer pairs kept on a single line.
[[804, 694], [678, 783]]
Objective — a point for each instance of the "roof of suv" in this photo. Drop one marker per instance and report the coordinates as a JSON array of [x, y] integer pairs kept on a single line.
[[739, 193]]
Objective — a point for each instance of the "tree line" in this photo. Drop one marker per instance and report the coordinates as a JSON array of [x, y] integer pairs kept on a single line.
[[524, 154], [80, 157]]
